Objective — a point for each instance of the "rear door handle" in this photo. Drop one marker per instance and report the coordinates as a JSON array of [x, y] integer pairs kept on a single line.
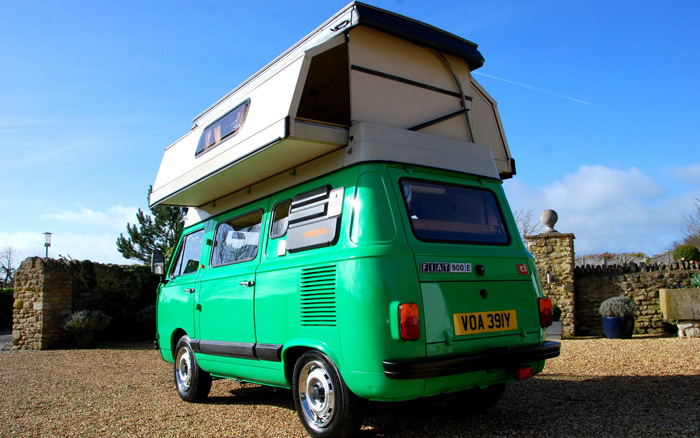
[[247, 283], [189, 290]]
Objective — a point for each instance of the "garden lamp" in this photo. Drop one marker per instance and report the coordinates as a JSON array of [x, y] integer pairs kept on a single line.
[[47, 242]]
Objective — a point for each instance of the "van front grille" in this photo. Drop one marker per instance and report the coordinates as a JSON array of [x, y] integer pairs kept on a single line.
[[317, 292]]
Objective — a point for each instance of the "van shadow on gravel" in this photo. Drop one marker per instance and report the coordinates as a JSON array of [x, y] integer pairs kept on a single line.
[[546, 406], [251, 394], [606, 406]]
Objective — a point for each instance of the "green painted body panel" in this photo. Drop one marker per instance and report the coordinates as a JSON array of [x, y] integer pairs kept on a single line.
[[442, 300], [175, 311], [253, 371], [343, 299], [222, 298]]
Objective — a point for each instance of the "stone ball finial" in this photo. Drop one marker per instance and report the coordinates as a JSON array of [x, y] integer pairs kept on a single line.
[[548, 219]]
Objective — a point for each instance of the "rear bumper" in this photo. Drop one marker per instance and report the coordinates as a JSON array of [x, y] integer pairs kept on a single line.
[[491, 359]]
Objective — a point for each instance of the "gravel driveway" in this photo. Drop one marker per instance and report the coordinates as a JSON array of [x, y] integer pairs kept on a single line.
[[598, 387]]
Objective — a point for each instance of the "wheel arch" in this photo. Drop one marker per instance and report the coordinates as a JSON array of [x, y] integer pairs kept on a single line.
[[294, 350], [177, 334]]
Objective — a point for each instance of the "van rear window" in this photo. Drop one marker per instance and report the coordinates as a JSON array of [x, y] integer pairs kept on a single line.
[[448, 213]]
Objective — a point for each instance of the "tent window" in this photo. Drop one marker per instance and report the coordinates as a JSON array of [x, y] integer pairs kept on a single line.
[[224, 128]]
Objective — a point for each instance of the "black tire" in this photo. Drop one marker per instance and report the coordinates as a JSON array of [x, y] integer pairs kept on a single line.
[[325, 405], [191, 382]]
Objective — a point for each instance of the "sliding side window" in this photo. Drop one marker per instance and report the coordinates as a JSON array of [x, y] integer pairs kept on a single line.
[[314, 219], [280, 220]]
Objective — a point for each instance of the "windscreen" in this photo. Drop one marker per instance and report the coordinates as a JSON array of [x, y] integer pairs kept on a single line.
[[449, 213]]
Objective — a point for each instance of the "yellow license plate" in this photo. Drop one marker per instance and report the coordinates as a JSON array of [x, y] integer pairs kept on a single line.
[[484, 322]]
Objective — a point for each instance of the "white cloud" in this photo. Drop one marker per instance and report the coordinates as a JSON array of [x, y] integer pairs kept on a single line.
[[115, 218], [100, 248], [689, 174], [597, 187], [82, 234], [608, 210]]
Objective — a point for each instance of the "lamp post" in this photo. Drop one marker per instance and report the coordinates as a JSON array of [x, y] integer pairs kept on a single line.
[[47, 242]]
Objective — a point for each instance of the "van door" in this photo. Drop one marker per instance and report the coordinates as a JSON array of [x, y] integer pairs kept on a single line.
[[225, 299], [176, 297], [477, 284]]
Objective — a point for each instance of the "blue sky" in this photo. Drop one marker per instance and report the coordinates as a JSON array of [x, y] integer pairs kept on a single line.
[[599, 100]]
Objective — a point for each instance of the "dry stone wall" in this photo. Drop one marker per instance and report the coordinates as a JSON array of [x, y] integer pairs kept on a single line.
[[579, 291], [46, 291], [43, 298], [642, 283], [554, 255]]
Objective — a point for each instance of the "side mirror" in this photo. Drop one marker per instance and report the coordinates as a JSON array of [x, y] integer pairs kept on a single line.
[[157, 264]]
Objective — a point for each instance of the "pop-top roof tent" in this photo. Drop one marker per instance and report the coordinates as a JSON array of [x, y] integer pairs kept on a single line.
[[366, 85]]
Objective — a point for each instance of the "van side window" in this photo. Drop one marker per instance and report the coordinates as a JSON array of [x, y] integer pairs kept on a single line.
[[237, 240], [280, 219], [188, 256], [314, 219], [449, 213]]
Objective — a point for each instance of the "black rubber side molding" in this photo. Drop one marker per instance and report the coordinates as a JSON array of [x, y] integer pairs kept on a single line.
[[240, 350]]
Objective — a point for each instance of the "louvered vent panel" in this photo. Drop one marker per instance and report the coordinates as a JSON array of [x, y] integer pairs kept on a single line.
[[318, 296]]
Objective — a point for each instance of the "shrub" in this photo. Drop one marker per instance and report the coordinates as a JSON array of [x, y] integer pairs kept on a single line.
[[146, 316], [688, 252], [144, 323], [86, 320], [695, 281], [556, 313], [118, 291], [622, 307]]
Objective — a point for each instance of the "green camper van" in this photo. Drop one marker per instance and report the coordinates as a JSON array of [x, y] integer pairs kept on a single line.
[[348, 235]]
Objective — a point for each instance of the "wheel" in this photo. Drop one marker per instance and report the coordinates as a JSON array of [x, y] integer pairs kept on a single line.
[[192, 383], [323, 401], [482, 399]]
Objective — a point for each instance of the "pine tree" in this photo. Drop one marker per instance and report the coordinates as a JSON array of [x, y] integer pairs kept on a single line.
[[156, 232]]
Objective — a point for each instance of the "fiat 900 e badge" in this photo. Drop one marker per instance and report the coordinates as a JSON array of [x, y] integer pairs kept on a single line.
[[455, 268]]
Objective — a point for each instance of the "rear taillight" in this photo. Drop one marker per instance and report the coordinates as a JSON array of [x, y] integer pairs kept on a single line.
[[524, 373], [409, 321], [545, 312]]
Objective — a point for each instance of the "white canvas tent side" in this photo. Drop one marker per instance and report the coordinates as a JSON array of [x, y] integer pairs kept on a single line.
[[363, 71]]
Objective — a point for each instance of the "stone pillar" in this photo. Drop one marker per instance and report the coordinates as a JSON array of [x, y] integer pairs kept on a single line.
[[43, 293], [554, 256]]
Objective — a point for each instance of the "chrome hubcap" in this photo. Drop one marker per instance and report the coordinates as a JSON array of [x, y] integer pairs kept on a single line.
[[317, 394], [183, 373]]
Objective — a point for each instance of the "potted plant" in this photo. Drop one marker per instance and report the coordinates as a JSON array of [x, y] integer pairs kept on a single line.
[[84, 324], [618, 317]]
